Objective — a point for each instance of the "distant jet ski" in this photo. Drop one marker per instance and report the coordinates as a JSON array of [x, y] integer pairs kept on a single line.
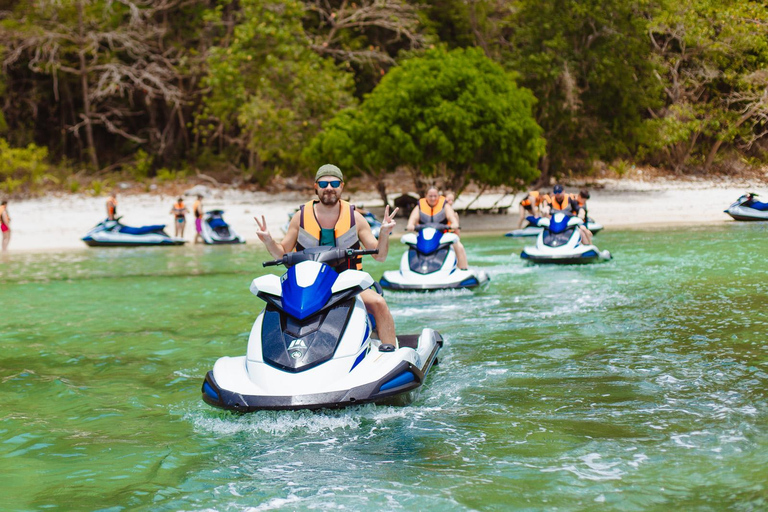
[[560, 242], [216, 231], [315, 346], [529, 230], [430, 263], [746, 208], [110, 233]]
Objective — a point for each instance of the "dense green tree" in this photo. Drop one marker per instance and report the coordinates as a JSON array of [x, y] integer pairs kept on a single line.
[[454, 116], [589, 63], [268, 92], [711, 57]]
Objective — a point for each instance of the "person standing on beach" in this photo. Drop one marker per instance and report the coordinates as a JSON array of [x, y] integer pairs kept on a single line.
[[179, 212], [197, 210], [112, 206], [330, 221], [5, 224]]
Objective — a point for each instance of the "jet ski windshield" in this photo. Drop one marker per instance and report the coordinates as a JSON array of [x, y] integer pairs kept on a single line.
[[557, 239]]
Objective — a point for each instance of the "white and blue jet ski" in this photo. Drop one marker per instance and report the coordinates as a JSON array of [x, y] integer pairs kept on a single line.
[[560, 242], [314, 345], [215, 230], [111, 233], [530, 230], [747, 208], [430, 264]]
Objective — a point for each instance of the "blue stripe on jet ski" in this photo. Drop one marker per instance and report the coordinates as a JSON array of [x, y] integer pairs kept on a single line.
[[400, 380], [589, 254], [472, 281], [208, 390], [359, 359]]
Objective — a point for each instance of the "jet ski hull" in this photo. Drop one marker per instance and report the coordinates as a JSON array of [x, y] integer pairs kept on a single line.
[[744, 213], [469, 279], [110, 233], [589, 256], [398, 386]]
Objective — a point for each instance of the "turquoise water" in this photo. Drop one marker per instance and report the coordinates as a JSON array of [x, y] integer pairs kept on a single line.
[[637, 384]]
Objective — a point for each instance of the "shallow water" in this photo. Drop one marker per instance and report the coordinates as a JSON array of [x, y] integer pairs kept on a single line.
[[637, 384]]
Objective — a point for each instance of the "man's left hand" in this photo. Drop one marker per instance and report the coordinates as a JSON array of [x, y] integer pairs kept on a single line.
[[388, 222]]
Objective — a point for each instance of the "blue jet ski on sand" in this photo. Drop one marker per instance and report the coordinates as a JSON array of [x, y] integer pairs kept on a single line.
[[111, 233], [747, 208], [560, 242], [315, 346]]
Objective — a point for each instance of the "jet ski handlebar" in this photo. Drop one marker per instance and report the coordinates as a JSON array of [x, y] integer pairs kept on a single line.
[[439, 227], [328, 255]]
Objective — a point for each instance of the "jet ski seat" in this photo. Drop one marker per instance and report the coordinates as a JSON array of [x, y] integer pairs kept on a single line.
[[143, 230], [757, 205], [408, 340]]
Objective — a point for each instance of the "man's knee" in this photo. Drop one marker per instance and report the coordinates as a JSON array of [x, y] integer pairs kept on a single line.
[[374, 302]]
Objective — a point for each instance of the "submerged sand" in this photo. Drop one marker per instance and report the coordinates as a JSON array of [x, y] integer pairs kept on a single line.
[[58, 222]]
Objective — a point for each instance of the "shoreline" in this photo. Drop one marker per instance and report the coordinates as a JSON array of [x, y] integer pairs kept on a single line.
[[58, 222]]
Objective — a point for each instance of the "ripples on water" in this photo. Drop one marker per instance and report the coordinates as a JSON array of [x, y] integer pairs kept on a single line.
[[638, 384]]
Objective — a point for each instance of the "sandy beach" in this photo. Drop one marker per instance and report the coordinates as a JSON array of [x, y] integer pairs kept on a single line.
[[58, 222]]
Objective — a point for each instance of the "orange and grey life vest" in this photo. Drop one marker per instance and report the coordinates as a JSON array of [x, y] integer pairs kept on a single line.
[[432, 215], [580, 200], [532, 199], [345, 231], [561, 206], [178, 210], [111, 207]]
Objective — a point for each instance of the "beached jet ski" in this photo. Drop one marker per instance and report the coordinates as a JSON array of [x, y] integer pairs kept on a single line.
[[216, 231], [110, 233], [560, 242], [430, 263], [747, 208], [530, 230], [315, 346]]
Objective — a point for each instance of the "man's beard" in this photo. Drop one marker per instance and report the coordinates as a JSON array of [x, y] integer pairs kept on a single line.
[[329, 198]]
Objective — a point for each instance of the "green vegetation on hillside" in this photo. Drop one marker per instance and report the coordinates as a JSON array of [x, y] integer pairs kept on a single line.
[[483, 92]]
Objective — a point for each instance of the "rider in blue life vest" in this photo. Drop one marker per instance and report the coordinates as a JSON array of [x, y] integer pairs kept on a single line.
[[331, 221], [434, 209]]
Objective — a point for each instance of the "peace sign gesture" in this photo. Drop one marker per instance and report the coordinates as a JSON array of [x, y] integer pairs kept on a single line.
[[262, 232], [388, 222]]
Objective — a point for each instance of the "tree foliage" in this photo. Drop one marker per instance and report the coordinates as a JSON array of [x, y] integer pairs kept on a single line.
[[454, 116]]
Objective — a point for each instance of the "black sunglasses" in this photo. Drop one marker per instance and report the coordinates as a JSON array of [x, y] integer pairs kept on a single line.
[[324, 184]]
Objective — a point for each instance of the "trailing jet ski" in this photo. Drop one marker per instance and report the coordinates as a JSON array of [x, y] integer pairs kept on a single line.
[[111, 233], [315, 346], [530, 230], [216, 231], [430, 263], [747, 208], [560, 242]]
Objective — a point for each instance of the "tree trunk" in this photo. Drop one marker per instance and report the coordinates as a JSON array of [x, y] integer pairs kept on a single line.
[[381, 186], [84, 85]]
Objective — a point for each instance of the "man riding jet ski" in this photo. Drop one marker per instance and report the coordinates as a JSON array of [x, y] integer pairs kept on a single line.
[[430, 263], [315, 346], [435, 260], [747, 208], [561, 242], [214, 230], [110, 233]]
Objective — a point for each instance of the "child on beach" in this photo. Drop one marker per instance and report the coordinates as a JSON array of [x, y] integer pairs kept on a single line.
[[179, 212]]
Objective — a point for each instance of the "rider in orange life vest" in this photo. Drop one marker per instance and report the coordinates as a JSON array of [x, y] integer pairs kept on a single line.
[[179, 212], [433, 209], [530, 206], [331, 221], [560, 202], [112, 206]]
